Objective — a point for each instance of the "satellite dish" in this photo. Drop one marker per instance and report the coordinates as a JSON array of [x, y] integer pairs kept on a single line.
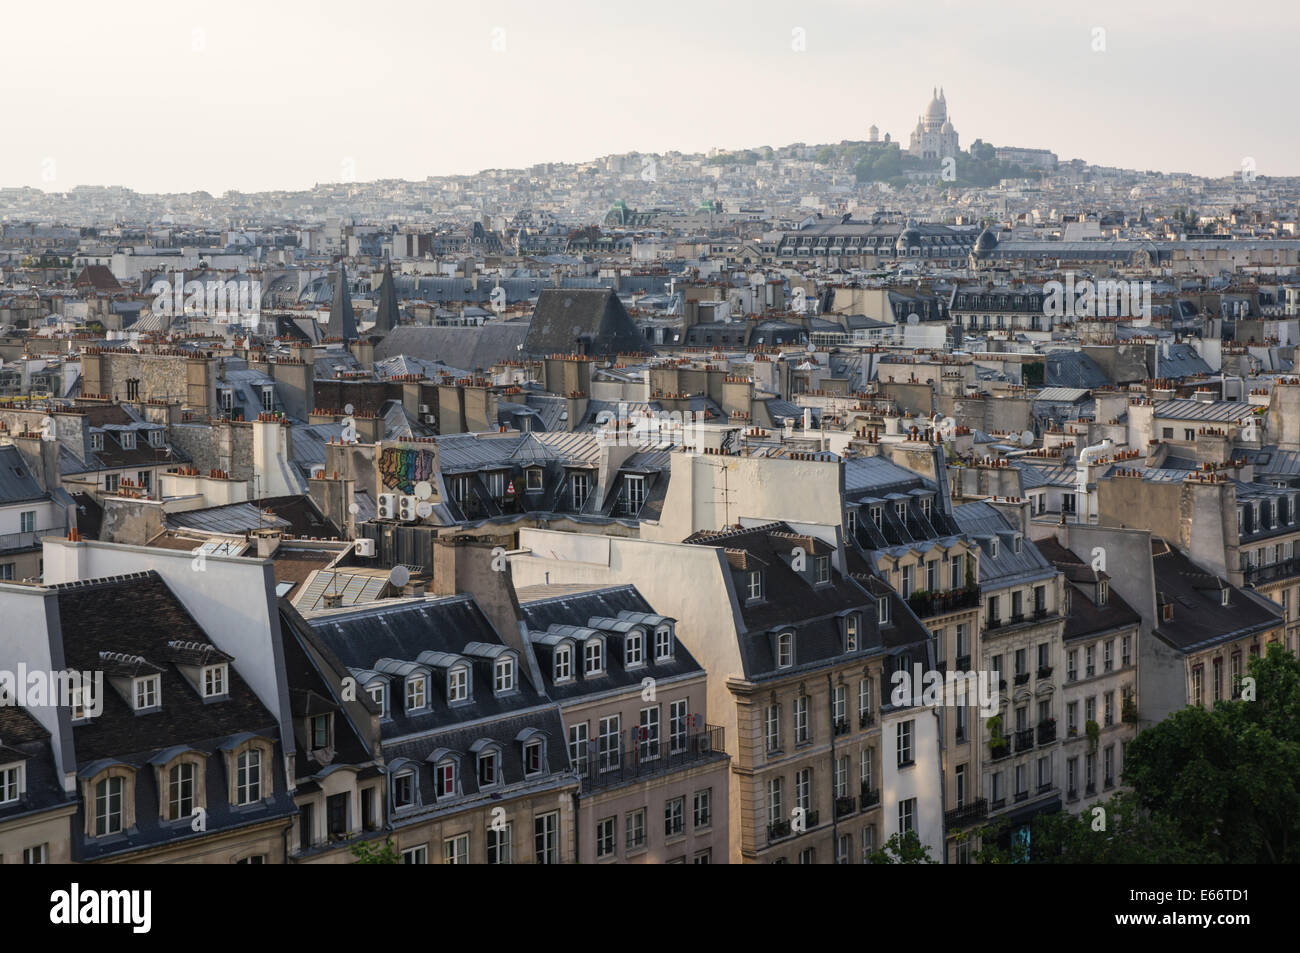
[[913, 319], [399, 576], [1027, 438], [423, 509], [423, 490]]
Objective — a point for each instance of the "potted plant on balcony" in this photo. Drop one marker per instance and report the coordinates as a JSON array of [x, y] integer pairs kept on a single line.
[[1130, 711], [997, 744], [1094, 733]]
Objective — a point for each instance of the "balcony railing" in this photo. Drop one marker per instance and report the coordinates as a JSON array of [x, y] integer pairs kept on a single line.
[[1022, 677], [845, 806], [868, 799], [1024, 739], [866, 720], [700, 746], [1044, 671], [28, 540], [937, 603], [968, 813], [841, 726], [999, 752], [1046, 732], [778, 829], [1254, 575], [963, 663], [1022, 796]]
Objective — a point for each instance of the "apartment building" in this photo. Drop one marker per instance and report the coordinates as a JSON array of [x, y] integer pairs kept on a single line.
[[654, 773]]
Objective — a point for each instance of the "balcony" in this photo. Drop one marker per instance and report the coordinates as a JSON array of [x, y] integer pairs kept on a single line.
[[866, 720], [967, 814], [1255, 575], [998, 752], [777, 830], [938, 603], [963, 663], [841, 726], [1090, 788], [697, 748], [1072, 795], [1044, 671], [30, 540], [810, 819], [1044, 788], [1047, 731], [1022, 796], [868, 799], [1022, 678], [845, 806], [1024, 740]]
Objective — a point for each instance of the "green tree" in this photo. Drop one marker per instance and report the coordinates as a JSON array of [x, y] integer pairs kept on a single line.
[[902, 849], [372, 852]]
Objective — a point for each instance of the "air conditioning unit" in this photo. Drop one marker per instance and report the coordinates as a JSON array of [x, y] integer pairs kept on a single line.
[[406, 508], [387, 506], [424, 408], [365, 547], [430, 419]]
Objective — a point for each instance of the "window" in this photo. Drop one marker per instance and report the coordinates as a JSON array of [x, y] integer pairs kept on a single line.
[[108, 806], [248, 776], [663, 644], [404, 789], [674, 816], [455, 850], [268, 403], [563, 664], [1109, 708], [704, 808], [634, 829], [957, 575], [496, 484], [111, 482], [546, 838], [907, 815], [775, 807], [864, 699], [378, 695], [1103, 592], [1197, 696], [755, 585], [532, 758], [458, 684], [883, 607], [504, 675], [904, 734], [416, 855], [1108, 655], [772, 727], [1072, 665], [785, 650], [678, 724], [498, 844], [147, 692], [180, 791], [822, 570], [96, 441], [27, 521], [580, 487], [488, 765], [606, 841], [533, 478], [416, 693], [868, 842], [648, 735], [214, 681], [594, 657], [633, 494], [445, 778], [851, 633], [851, 520], [607, 749], [128, 440], [36, 855], [801, 720], [578, 747], [1090, 661], [1072, 718], [906, 589], [633, 649], [803, 789], [11, 783]]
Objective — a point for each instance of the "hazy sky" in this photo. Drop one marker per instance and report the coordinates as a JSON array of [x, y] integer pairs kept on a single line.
[[179, 96]]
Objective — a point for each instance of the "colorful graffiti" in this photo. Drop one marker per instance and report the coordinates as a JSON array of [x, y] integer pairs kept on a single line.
[[400, 469]]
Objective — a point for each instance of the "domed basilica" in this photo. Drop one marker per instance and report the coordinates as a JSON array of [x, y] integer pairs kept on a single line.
[[934, 136]]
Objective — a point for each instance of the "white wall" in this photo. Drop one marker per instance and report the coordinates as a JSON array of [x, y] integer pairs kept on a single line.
[[923, 780]]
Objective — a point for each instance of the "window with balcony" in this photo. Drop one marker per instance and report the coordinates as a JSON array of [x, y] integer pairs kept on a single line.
[[801, 730], [609, 756]]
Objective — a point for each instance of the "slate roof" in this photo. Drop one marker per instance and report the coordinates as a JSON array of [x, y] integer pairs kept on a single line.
[[468, 347], [582, 321], [17, 485], [387, 315], [983, 521], [343, 322], [1200, 619], [1085, 617], [1072, 369]]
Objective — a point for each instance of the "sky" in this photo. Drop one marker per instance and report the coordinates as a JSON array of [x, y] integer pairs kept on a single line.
[[179, 96]]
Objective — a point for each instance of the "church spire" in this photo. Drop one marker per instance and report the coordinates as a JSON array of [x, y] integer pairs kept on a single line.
[[387, 315], [342, 321]]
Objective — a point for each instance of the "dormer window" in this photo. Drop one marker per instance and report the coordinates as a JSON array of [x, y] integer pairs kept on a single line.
[[993, 547], [533, 476], [1015, 545], [1167, 612], [878, 516], [503, 675], [379, 695], [1224, 595], [634, 649], [417, 693], [785, 650], [532, 758], [489, 767], [321, 732], [594, 657], [404, 789], [96, 441], [822, 570], [12, 782], [214, 681], [1103, 592], [851, 633], [563, 664], [155, 438], [663, 644], [147, 692], [78, 704], [445, 777], [883, 606], [458, 684], [755, 584], [925, 506]]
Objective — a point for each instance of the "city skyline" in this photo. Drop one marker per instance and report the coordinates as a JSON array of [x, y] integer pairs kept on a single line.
[[252, 111]]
